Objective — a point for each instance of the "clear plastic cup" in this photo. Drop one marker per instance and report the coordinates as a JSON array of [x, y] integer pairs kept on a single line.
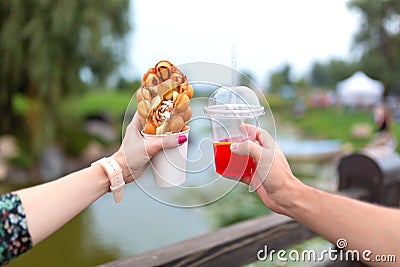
[[230, 110]]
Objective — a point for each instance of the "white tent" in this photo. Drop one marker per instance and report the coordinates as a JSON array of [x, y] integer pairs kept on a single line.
[[359, 90]]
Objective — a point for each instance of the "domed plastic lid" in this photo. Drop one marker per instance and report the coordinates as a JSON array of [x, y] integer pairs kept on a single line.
[[239, 102]]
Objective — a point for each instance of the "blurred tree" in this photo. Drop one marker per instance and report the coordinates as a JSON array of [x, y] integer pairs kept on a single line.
[[339, 70], [373, 63], [319, 74], [329, 74], [280, 78], [302, 83], [124, 84], [48, 47], [379, 36], [246, 78]]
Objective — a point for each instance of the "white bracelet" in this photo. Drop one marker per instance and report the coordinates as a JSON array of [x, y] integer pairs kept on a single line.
[[114, 173]]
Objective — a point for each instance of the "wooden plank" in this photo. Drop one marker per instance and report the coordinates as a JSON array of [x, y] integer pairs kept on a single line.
[[234, 245]]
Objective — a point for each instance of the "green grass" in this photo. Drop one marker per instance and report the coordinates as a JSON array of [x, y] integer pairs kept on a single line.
[[110, 101], [334, 124], [330, 123], [113, 102]]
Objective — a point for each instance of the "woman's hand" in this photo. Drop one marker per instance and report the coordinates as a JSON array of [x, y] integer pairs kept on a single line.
[[136, 151], [273, 179]]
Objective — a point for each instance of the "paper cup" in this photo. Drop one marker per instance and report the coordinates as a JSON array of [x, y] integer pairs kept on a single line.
[[169, 165]]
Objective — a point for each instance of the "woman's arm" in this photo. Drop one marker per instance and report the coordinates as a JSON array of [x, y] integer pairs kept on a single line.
[[51, 205], [363, 225]]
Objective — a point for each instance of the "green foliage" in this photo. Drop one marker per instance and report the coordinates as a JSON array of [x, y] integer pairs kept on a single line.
[[20, 104], [379, 36], [73, 111], [246, 78], [319, 74], [46, 44], [238, 205], [114, 102], [79, 106], [72, 138], [339, 70], [372, 62], [330, 73], [379, 20], [278, 104], [131, 86], [24, 159], [280, 78], [47, 48]]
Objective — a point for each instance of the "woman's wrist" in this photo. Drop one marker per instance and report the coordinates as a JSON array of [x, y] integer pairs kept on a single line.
[[101, 179], [120, 158]]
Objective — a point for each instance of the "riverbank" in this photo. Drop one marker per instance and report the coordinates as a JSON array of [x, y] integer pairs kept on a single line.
[[329, 123]]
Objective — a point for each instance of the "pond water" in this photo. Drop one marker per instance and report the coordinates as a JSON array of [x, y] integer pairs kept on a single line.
[[148, 218]]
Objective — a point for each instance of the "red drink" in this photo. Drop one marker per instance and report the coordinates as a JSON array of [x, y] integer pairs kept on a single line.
[[229, 164]]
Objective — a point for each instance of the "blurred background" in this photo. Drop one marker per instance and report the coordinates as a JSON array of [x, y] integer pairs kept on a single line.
[[69, 69]]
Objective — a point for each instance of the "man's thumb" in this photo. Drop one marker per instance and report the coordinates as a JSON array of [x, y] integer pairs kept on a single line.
[[247, 148]]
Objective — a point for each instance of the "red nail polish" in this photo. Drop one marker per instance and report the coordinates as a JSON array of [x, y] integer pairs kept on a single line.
[[182, 139]]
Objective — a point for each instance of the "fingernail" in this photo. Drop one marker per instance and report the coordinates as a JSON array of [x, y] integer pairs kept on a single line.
[[182, 139], [234, 146]]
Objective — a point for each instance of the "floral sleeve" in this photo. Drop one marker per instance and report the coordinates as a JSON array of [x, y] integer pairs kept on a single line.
[[14, 235]]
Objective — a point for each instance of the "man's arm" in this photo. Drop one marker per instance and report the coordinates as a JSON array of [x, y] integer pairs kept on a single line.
[[364, 226]]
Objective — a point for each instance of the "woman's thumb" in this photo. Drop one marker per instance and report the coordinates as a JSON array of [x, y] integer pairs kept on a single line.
[[247, 148]]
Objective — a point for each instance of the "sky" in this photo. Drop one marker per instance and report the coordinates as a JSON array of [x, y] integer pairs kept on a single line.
[[266, 34]]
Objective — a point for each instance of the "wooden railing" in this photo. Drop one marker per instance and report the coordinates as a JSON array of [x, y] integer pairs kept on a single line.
[[238, 244]]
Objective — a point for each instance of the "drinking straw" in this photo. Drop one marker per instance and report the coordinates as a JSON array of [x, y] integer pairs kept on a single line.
[[233, 72]]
